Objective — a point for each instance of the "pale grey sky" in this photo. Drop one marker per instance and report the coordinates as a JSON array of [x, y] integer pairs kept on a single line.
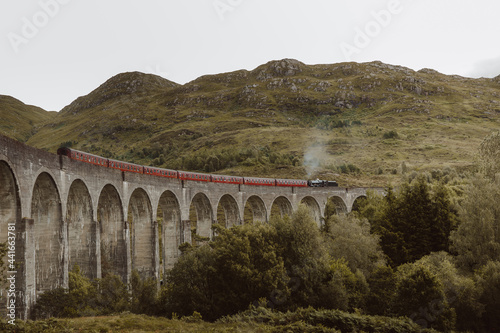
[[53, 51]]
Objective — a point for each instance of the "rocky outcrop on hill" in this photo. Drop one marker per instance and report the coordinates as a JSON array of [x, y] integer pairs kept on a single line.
[[132, 83]]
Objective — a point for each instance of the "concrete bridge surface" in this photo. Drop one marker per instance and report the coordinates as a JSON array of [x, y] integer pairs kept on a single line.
[[56, 213]]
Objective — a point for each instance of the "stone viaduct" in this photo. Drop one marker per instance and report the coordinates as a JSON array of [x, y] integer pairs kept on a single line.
[[64, 213]]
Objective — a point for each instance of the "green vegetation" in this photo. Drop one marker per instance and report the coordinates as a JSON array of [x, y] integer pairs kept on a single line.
[[370, 115], [21, 121], [412, 223], [391, 135]]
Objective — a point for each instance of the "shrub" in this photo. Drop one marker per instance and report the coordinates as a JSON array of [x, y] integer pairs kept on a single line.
[[144, 294], [113, 295], [312, 320], [83, 298], [348, 168], [391, 135]]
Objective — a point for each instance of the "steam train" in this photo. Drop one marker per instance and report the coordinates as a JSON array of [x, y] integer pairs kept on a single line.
[[184, 175]]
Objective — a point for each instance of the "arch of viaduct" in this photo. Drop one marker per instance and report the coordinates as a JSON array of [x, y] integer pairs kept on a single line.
[[65, 212]]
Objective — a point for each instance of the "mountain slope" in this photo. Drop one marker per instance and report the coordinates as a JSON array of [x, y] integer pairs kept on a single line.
[[286, 119], [19, 120]]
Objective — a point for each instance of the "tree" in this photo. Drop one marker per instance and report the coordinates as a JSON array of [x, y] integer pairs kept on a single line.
[[414, 222], [349, 237], [249, 267], [305, 256], [488, 280], [344, 290], [189, 283], [381, 295], [420, 296], [236, 269], [462, 293], [477, 238]]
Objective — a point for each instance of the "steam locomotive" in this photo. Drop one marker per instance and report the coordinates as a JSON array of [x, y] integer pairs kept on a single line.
[[321, 183], [185, 175]]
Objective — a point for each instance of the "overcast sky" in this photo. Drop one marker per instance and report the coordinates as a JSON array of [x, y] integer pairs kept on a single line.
[[53, 51]]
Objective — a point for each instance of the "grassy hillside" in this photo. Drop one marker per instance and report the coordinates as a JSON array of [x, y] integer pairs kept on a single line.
[[356, 123], [20, 121]]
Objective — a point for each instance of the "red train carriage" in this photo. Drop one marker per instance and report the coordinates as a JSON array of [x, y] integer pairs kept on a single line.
[[259, 181], [124, 166], [200, 177], [84, 157], [227, 179], [160, 172], [184, 175], [291, 182]]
